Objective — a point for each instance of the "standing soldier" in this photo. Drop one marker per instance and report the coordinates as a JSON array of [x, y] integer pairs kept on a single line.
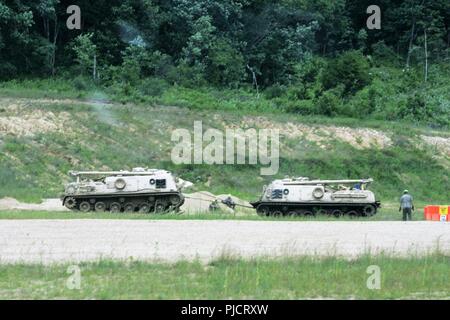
[[406, 204]]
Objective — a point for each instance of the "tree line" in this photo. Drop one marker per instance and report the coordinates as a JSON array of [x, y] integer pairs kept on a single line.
[[223, 42], [260, 44]]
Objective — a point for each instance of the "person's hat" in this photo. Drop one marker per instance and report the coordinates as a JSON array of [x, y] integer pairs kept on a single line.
[[406, 191]]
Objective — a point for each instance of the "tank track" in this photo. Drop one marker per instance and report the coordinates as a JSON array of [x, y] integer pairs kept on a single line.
[[313, 209], [129, 203]]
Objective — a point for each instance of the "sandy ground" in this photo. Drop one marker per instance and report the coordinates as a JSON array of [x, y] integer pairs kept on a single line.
[[55, 241], [46, 205]]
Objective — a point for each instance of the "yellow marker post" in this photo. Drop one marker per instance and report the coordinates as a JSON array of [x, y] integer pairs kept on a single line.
[[443, 211]]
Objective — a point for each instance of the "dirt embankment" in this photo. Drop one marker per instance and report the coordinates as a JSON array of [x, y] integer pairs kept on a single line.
[[360, 138], [18, 119], [440, 144]]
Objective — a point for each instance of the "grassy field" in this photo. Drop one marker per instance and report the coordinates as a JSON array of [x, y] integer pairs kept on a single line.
[[230, 278]]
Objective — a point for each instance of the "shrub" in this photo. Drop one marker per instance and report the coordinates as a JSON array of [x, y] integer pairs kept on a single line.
[[383, 54], [416, 108], [351, 69], [297, 91], [329, 103], [153, 87], [363, 103], [304, 107], [81, 84], [410, 79], [309, 70], [275, 91], [189, 76]]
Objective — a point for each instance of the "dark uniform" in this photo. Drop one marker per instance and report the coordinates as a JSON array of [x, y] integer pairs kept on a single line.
[[214, 206], [229, 203], [406, 204]]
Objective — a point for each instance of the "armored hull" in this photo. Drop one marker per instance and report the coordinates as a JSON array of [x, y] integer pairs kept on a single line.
[[302, 196], [140, 190]]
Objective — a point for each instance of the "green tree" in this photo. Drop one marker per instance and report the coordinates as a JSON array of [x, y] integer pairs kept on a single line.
[[47, 10], [85, 51], [16, 20], [225, 64], [277, 37], [196, 51]]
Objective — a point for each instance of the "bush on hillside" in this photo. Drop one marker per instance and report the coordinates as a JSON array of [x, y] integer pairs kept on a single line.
[[363, 104], [351, 70], [418, 108], [81, 83], [153, 87], [329, 103], [383, 54], [303, 107], [275, 91]]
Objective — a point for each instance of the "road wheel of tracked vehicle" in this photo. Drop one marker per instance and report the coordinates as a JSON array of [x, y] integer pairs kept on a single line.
[[160, 207], [115, 207], [277, 213], [175, 199], [144, 207], [337, 213], [263, 211], [85, 206], [308, 213], [369, 210], [353, 213], [129, 207], [292, 213], [321, 212], [70, 203], [100, 206]]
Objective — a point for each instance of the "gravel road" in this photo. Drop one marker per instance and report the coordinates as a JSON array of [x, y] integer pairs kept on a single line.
[[51, 241]]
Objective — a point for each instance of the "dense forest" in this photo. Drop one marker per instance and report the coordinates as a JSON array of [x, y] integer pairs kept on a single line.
[[314, 56]]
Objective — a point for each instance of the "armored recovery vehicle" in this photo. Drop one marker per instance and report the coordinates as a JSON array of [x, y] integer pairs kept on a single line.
[[301, 196], [140, 190]]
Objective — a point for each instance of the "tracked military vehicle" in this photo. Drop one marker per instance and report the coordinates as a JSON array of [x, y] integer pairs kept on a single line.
[[140, 190], [302, 196]]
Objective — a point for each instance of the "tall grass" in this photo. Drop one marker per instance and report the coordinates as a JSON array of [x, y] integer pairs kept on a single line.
[[230, 277], [384, 214], [42, 88]]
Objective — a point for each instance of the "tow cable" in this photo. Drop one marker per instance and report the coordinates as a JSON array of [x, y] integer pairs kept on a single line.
[[228, 201]]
